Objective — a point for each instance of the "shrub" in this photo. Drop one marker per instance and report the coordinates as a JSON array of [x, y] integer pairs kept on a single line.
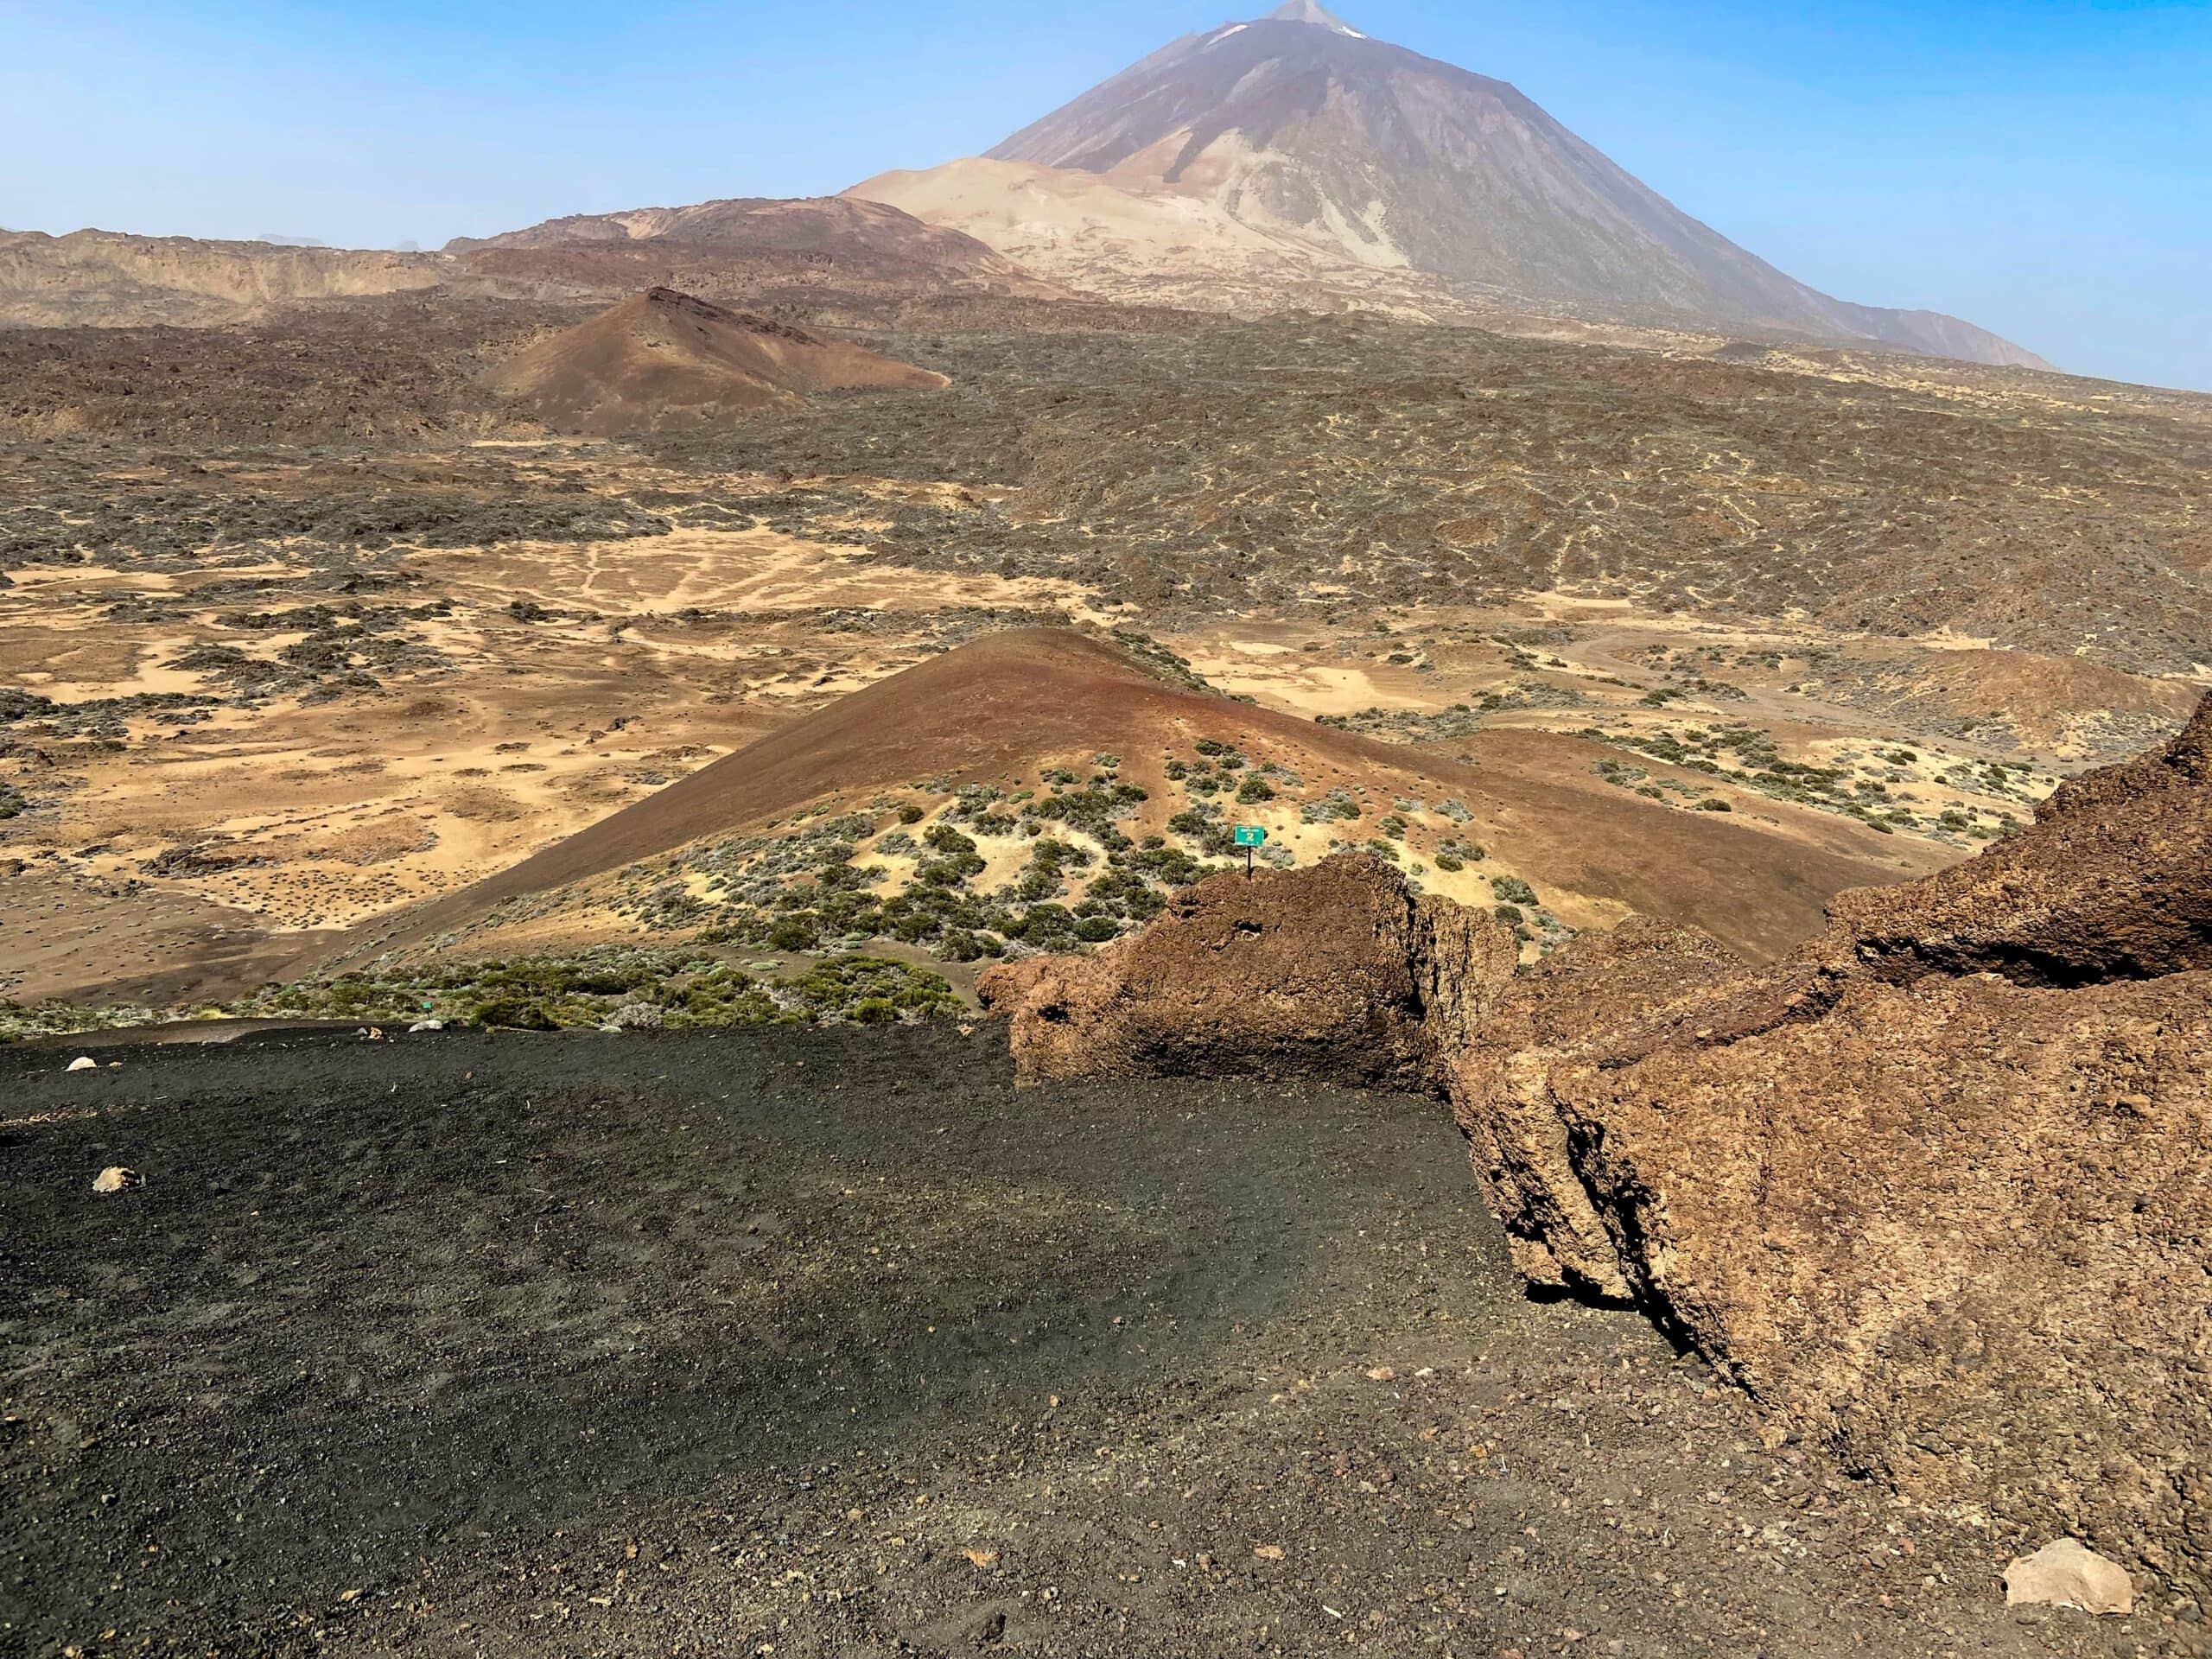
[[798, 932], [514, 1013], [1042, 924], [963, 945]]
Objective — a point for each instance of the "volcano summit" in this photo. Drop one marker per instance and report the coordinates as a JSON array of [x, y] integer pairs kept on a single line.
[[1294, 143]]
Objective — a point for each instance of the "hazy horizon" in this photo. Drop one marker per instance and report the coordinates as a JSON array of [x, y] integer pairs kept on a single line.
[[2042, 170]]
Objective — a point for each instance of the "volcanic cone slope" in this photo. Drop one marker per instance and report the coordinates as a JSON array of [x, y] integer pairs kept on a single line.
[[666, 358], [1017, 712]]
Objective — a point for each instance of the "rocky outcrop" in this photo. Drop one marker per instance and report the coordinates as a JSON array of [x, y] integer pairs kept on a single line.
[[1938, 1188], [1338, 972], [1518, 1140]]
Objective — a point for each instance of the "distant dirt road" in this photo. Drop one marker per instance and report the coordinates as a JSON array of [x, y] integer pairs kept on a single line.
[[818, 1343]]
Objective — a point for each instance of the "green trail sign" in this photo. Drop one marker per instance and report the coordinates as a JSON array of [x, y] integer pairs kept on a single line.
[[1248, 837]]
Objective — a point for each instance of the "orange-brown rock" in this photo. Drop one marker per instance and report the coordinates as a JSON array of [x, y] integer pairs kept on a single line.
[[1938, 1189], [1518, 1140], [1336, 972]]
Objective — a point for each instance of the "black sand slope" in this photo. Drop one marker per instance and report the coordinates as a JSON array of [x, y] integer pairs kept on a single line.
[[827, 1343]]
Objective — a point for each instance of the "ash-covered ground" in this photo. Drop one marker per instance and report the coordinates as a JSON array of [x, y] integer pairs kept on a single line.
[[829, 1342]]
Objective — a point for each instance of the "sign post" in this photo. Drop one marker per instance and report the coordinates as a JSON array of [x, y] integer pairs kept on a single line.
[[1249, 837]]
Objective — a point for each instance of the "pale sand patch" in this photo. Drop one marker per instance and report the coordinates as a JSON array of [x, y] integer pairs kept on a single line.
[[732, 570], [144, 674], [1306, 688], [1004, 858], [45, 581]]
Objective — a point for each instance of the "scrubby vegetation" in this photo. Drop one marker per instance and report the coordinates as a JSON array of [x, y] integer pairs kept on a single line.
[[1066, 861], [1882, 788], [610, 986], [977, 871], [151, 524]]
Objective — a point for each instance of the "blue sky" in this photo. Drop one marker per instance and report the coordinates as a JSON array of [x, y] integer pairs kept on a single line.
[[2042, 168]]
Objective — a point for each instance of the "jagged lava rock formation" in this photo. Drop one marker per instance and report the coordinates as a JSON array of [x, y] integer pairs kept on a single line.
[[1338, 972], [1938, 1188]]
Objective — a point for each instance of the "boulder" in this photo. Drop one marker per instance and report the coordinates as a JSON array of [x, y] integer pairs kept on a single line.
[[2064, 1574], [1338, 972], [1938, 1188]]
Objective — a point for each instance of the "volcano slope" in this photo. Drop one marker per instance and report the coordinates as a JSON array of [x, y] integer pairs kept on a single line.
[[1295, 142], [827, 1341], [1040, 787]]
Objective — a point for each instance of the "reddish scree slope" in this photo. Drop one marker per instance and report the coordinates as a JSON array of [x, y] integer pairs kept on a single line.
[[666, 358], [1001, 706]]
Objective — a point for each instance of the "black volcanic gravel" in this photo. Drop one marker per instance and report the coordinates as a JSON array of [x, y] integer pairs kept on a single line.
[[830, 1342]]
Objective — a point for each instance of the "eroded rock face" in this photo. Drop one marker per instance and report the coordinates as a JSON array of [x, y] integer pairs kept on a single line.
[[1938, 1189], [1336, 971], [1503, 1102]]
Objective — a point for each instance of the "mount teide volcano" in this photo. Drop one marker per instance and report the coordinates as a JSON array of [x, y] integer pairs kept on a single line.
[[1349, 155]]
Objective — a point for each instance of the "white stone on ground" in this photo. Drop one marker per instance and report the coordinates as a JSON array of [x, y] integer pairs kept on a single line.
[[2065, 1573]]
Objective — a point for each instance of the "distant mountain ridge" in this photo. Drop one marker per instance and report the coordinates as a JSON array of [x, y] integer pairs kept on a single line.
[[1298, 127], [739, 251], [836, 226], [105, 278], [1288, 163]]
